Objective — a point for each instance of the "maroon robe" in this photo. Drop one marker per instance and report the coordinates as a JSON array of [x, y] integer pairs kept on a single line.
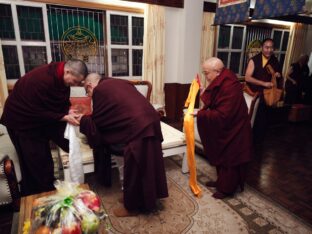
[[225, 130], [32, 114], [121, 115], [261, 73]]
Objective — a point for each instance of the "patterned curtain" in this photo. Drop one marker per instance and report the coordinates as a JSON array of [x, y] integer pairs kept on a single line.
[[232, 11], [3, 82], [295, 45], [207, 40], [154, 49], [274, 8]]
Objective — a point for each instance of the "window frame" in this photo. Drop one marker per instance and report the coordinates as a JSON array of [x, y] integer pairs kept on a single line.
[[129, 47], [19, 43], [278, 51], [230, 50]]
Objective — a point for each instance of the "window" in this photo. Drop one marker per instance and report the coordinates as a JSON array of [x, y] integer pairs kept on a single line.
[[280, 38], [234, 40], [230, 47], [77, 33], [125, 45], [24, 37]]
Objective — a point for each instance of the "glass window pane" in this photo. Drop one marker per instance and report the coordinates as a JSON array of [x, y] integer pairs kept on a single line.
[[11, 64], [137, 56], [137, 30], [235, 61], [277, 36], [34, 56], [120, 62], [224, 37], [285, 41], [224, 57], [237, 40], [30, 22], [119, 29], [6, 22]]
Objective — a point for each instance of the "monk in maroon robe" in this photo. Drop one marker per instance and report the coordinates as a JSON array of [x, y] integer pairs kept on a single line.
[[224, 127], [35, 112], [258, 78], [121, 115]]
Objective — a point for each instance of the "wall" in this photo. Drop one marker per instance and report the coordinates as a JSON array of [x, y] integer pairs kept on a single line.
[[182, 57], [183, 38]]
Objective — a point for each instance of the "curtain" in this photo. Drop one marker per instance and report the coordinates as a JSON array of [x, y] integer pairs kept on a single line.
[[207, 40], [3, 82], [154, 49], [295, 47]]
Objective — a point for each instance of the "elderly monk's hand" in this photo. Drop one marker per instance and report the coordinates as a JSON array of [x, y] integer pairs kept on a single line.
[[72, 119], [79, 117], [73, 111]]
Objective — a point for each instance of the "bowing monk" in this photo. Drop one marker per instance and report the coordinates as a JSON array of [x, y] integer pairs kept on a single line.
[[121, 115], [224, 128], [35, 112]]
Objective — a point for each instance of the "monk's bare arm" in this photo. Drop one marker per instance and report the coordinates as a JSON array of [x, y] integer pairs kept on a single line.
[[249, 76]]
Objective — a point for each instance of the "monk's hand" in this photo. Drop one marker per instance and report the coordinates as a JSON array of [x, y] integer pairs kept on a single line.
[[277, 74], [73, 111], [78, 117], [72, 119], [268, 85]]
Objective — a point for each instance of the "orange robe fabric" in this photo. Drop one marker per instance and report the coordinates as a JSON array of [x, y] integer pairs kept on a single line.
[[189, 135]]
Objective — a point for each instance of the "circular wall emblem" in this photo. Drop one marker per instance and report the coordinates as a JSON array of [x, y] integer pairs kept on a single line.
[[80, 43]]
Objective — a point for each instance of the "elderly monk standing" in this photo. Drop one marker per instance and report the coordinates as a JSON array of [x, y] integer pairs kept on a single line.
[[224, 127], [35, 112], [121, 115]]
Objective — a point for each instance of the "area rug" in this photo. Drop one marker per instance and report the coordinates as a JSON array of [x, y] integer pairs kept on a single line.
[[182, 212]]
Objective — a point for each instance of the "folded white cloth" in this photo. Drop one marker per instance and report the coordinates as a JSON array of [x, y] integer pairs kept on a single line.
[[74, 157]]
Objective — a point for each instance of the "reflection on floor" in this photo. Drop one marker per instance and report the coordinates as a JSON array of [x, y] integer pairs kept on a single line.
[[282, 167]]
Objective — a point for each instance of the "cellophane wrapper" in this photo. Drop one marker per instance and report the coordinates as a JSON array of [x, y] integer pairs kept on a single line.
[[71, 210]]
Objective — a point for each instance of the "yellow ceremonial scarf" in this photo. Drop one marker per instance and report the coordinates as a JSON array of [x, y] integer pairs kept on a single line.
[[264, 61], [189, 135]]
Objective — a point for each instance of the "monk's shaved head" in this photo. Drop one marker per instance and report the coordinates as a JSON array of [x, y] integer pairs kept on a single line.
[[214, 63], [212, 68], [91, 82], [93, 77]]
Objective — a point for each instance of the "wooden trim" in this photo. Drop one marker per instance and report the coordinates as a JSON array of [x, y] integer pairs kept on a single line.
[[210, 7], [91, 5], [143, 82], [169, 3]]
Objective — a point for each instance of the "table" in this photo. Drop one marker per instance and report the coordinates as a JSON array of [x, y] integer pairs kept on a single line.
[[173, 144], [26, 206]]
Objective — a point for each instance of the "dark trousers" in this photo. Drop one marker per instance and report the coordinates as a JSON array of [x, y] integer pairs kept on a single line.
[[34, 154], [261, 122]]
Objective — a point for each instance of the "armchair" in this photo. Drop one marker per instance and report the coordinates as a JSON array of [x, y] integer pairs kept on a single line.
[[10, 174]]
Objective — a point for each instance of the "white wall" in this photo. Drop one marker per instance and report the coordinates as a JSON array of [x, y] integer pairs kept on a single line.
[[183, 39]]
